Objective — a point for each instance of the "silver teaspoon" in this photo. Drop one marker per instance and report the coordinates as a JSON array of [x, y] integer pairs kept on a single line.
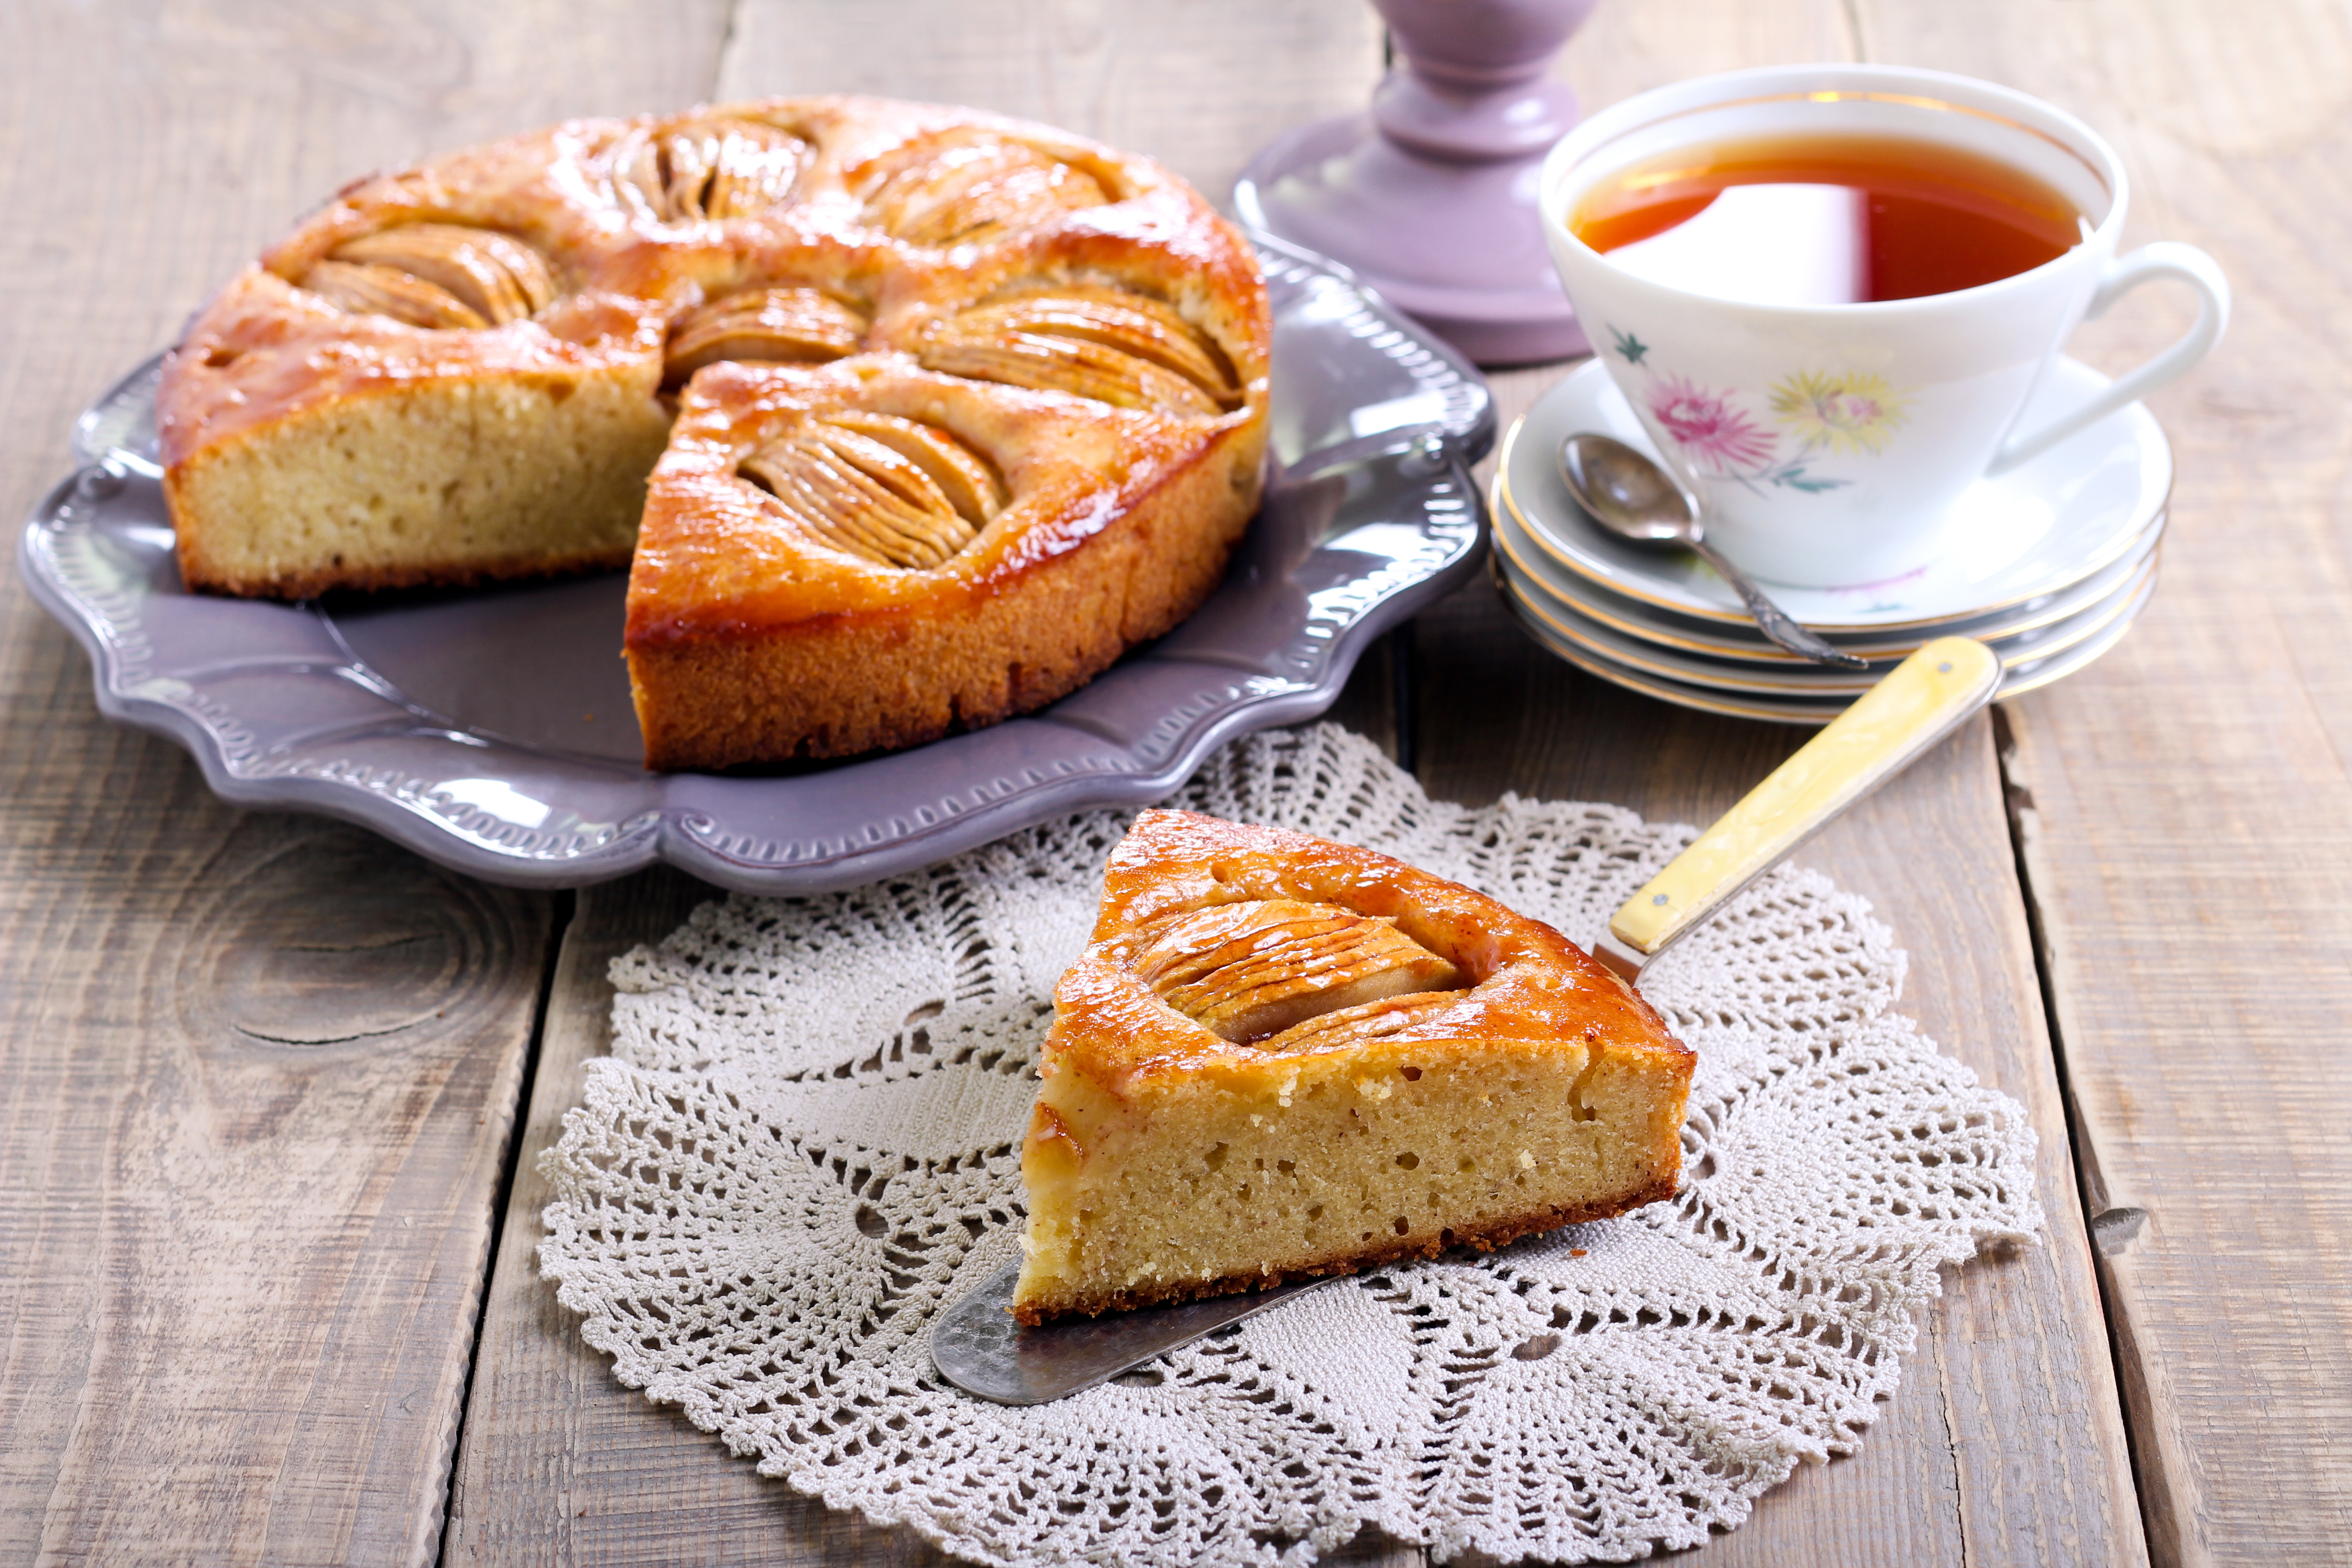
[[1633, 497]]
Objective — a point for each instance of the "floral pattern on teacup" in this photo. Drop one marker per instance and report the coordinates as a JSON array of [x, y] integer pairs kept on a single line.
[[1715, 431], [1849, 412], [1846, 412]]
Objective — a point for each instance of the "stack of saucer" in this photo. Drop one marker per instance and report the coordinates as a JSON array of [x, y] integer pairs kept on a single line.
[[2050, 565]]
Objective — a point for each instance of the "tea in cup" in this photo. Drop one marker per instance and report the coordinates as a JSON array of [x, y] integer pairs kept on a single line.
[[1828, 292]]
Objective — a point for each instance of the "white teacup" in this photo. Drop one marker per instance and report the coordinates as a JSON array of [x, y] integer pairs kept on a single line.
[[1828, 441]]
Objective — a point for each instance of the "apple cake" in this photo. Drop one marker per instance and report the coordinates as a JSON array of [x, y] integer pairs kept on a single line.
[[906, 418], [1282, 1056]]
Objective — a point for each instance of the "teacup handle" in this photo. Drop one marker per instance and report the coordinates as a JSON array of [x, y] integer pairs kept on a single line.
[[2165, 258]]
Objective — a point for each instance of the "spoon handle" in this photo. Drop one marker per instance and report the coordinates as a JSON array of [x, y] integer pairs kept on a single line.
[[1771, 619]]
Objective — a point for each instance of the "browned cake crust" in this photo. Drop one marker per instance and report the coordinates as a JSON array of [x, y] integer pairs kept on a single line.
[[1283, 1057], [467, 372]]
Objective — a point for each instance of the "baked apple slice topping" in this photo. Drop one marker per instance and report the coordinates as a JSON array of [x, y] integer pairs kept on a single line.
[[954, 192], [436, 275], [1094, 342], [1250, 972], [719, 167], [787, 324], [893, 491]]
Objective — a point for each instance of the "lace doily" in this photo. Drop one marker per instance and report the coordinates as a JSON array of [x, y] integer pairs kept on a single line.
[[806, 1141]]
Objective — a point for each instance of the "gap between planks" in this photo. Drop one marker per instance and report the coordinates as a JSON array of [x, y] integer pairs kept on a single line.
[[565, 910], [2147, 1479]]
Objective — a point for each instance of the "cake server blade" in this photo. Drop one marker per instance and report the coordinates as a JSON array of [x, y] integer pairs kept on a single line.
[[978, 1347]]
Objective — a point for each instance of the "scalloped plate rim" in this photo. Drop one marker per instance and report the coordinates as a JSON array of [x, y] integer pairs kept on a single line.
[[662, 830]]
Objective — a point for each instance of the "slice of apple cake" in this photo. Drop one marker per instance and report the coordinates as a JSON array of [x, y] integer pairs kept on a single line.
[[1282, 1056]]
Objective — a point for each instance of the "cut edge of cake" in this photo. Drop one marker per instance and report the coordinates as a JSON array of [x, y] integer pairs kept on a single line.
[[446, 484]]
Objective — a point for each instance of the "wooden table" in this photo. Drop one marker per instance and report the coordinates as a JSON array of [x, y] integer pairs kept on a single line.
[[271, 1092]]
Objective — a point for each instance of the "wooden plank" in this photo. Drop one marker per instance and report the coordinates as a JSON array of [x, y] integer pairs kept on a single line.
[[1627, 47], [256, 1076], [2005, 1443], [2185, 805], [1199, 86], [257, 1072], [559, 1461]]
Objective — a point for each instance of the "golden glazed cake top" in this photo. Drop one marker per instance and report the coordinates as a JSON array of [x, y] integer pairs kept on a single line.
[[1006, 406], [871, 486], [1231, 950], [793, 229]]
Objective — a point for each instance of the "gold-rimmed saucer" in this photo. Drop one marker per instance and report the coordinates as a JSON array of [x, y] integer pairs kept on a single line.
[[1723, 641], [1797, 709], [1798, 677], [2048, 524]]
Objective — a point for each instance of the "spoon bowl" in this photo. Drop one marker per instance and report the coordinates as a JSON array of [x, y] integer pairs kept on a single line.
[[1634, 499], [1626, 493]]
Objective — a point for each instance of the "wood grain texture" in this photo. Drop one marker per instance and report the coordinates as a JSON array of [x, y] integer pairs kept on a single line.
[[1627, 47], [2185, 805], [257, 1072], [256, 1076], [2005, 1442], [1198, 84], [560, 1462]]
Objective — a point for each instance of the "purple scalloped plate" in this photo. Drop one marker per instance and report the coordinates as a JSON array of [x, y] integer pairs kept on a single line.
[[492, 730]]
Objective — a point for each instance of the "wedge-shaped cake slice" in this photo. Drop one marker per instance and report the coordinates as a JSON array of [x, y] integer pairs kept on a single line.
[[1282, 1056]]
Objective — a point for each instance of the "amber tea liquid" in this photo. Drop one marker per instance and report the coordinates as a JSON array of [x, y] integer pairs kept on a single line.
[[1826, 219]]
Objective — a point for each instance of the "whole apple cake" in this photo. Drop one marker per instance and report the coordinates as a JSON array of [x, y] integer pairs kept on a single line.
[[906, 418]]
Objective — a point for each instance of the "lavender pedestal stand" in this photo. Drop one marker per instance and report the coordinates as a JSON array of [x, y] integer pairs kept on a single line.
[[1430, 197]]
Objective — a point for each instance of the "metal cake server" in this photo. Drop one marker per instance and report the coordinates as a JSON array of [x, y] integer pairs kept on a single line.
[[978, 1346]]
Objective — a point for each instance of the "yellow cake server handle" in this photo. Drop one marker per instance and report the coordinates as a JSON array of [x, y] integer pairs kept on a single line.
[[1919, 703]]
